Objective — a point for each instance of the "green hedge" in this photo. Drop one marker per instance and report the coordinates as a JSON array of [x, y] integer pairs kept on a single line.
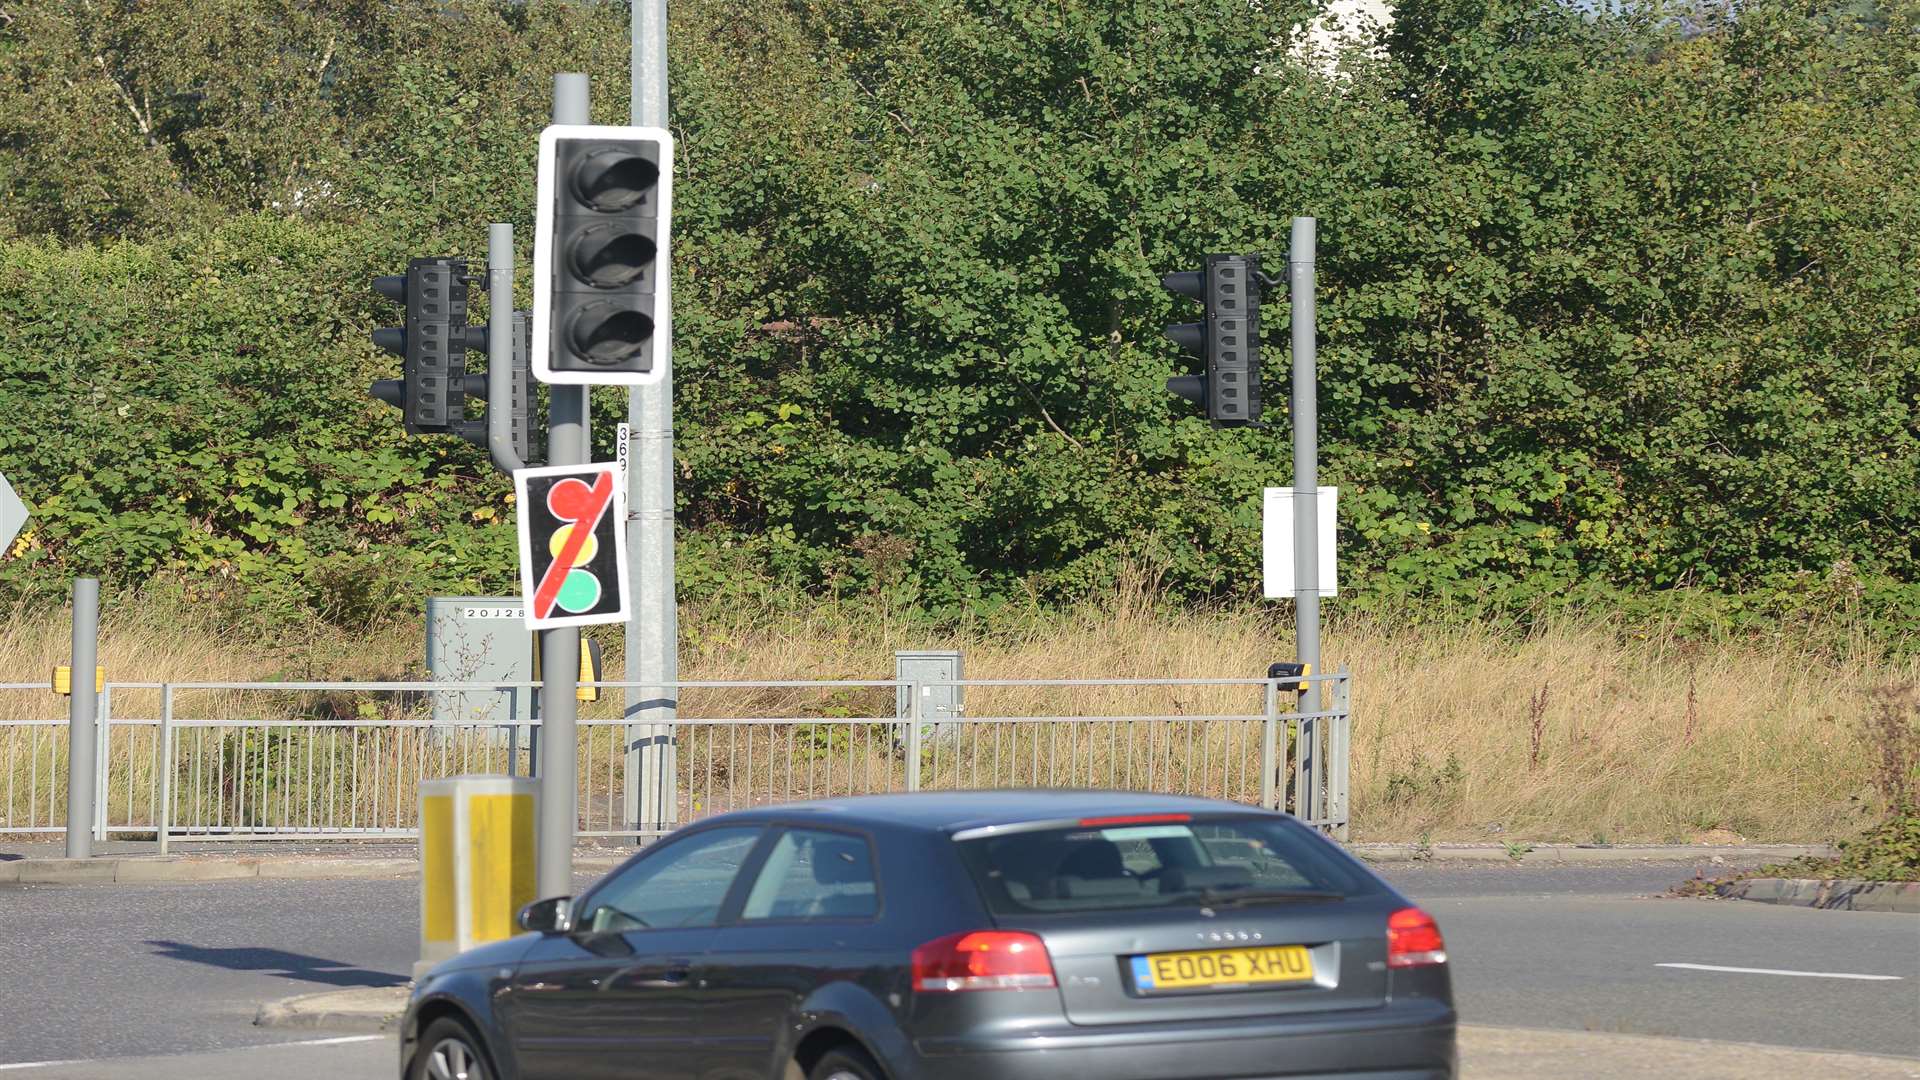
[[1613, 307]]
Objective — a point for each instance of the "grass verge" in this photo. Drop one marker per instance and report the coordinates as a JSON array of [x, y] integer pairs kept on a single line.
[[1574, 730]]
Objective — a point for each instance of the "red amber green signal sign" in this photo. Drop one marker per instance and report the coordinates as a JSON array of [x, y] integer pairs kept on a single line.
[[573, 556]]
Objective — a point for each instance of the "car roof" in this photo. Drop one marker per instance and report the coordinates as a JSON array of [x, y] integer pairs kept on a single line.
[[952, 811]]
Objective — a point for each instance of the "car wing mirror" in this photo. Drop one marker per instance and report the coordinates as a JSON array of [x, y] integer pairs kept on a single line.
[[554, 915]]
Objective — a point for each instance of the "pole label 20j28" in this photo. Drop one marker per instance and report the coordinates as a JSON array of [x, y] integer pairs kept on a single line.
[[573, 544]]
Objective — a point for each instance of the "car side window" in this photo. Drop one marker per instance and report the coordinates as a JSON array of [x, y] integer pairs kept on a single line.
[[815, 874], [683, 884]]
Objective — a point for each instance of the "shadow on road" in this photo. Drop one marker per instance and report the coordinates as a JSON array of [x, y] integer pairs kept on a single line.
[[277, 962]]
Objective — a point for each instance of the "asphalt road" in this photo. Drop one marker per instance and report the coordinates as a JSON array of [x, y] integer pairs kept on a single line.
[[113, 971]]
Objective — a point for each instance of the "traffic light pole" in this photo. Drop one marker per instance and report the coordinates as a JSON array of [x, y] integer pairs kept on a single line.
[[1306, 498], [567, 444], [651, 798], [500, 348]]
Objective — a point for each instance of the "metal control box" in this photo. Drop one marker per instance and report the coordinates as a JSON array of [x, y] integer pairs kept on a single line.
[[940, 706], [480, 639]]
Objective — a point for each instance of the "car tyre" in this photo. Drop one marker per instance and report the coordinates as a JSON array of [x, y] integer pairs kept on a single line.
[[449, 1050], [846, 1063]]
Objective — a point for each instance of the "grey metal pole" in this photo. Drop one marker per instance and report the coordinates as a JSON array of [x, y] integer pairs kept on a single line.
[[651, 797], [500, 347], [82, 704], [1306, 496], [567, 444]]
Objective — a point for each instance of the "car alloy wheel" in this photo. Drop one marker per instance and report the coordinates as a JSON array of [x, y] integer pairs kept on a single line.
[[453, 1059]]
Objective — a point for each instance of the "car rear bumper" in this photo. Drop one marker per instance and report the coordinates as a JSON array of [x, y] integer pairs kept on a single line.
[[1392, 1043]]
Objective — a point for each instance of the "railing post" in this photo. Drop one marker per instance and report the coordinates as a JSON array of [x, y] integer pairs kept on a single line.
[[1339, 754], [914, 692], [103, 792], [1269, 744], [1304, 761], [163, 818]]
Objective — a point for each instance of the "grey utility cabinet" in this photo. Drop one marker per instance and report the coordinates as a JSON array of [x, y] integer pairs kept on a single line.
[[480, 639], [940, 706]]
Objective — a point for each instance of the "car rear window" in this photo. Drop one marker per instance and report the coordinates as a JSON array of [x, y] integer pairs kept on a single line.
[[1098, 866]]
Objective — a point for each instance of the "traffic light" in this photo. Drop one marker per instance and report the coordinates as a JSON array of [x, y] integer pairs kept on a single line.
[[434, 384], [1228, 338], [603, 204], [519, 390], [432, 345]]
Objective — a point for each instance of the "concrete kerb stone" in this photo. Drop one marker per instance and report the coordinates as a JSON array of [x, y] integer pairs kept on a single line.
[[1843, 894], [365, 1009], [147, 870], [310, 869], [1519, 852], [66, 871]]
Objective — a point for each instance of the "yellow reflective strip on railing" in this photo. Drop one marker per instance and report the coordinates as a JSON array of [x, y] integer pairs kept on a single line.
[[437, 890]]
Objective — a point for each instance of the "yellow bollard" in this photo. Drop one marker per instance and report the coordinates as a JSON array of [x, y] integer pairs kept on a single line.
[[476, 862]]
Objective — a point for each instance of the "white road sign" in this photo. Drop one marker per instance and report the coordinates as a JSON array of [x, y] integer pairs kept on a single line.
[[1276, 543], [13, 515]]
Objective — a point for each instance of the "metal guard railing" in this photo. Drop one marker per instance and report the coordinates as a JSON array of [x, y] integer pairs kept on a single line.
[[182, 762]]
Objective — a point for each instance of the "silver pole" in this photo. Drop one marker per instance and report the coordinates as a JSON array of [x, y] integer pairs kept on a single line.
[[1306, 497], [651, 796], [560, 649], [82, 704], [163, 820], [500, 347]]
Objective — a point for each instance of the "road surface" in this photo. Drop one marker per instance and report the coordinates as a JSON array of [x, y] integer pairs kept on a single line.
[[165, 978]]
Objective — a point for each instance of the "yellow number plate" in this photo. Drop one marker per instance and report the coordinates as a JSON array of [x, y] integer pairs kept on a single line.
[[1222, 969]]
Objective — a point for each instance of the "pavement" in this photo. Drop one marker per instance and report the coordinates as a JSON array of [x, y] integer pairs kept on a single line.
[[1562, 969], [125, 862]]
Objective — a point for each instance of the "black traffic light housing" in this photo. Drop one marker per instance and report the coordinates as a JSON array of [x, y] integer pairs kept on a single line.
[[599, 254], [432, 345], [519, 390], [1227, 338], [434, 384]]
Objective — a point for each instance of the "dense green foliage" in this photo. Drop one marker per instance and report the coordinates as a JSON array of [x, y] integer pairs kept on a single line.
[[1616, 306]]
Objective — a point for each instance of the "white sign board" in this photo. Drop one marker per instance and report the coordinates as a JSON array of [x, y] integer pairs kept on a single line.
[[13, 515], [1276, 543]]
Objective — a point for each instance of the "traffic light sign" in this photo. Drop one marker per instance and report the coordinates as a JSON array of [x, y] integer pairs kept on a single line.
[[603, 204], [1227, 338], [573, 553], [432, 345]]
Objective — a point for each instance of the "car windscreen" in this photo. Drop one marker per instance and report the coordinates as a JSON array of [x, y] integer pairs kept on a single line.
[[1224, 860]]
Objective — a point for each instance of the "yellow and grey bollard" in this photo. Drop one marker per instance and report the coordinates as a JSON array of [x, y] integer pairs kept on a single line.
[[476, 862]]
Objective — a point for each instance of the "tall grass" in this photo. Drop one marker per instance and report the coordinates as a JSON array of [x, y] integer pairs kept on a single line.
[[1575, 729]]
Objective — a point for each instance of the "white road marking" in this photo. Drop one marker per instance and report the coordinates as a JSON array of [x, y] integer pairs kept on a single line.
[[1777, 971], [335, 1041]]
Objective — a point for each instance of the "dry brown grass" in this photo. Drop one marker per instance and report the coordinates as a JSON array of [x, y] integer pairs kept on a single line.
[[1572, 731]]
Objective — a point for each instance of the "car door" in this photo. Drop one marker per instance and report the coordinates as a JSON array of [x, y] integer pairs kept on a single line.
[[806, 918], [613, 999]]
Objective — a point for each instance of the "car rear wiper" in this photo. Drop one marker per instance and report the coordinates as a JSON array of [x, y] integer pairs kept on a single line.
[[1239, 897]]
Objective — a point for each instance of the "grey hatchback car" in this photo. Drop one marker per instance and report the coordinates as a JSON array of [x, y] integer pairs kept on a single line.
[[1019, 935]]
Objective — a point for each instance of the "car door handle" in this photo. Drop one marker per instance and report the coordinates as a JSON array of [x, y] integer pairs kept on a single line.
[[671, 973]]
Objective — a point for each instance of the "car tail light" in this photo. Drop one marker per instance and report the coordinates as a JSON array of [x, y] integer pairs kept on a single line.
[[983, 960], [1413, 939]]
